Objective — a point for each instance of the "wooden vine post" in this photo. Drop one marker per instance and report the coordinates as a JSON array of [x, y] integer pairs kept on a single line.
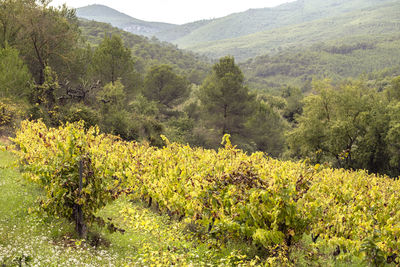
[[80, 225]]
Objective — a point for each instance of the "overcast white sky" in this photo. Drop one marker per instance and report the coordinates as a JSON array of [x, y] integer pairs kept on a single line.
[[175, 11]]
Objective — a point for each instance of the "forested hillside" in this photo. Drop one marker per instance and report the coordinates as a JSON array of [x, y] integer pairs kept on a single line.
[[267, 19], [148, 52], [360, 23], [300, 41], [370, 57], [200, 35]]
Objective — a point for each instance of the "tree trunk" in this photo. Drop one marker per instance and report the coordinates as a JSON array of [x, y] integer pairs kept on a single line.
[[225, 117]]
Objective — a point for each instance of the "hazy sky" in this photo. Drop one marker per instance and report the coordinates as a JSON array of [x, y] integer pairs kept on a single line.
[[176, 11]]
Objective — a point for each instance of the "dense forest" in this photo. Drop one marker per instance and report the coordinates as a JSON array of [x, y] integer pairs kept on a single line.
[[315, 111], [139, 88]]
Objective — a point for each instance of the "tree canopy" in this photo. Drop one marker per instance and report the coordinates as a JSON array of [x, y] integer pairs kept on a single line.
[[164, 86], [225, 99]]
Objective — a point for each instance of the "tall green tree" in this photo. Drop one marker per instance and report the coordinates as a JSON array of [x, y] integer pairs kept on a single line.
[[265, 129], [345, 126], [113, 61], [48, 37], [294, 105], [15, 78], [225, 100], [393, 91], [11, 12], [165, 87]]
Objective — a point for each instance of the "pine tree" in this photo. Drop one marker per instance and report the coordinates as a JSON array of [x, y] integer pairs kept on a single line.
[[225, 101]]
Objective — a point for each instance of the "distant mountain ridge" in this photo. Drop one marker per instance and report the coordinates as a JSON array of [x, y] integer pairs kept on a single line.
[[256, 32], [367, 22], [255, 21], [349, 44], [106, 14]]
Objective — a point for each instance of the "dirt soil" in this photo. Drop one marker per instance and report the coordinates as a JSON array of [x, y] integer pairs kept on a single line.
[[5, 140]]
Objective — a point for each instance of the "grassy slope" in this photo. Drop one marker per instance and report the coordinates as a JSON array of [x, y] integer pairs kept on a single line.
[[367, 22], [199, 33]]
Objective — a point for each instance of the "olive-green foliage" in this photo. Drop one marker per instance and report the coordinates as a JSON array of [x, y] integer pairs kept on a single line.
[[393, 135], [15, 78], [115, 117], [112, 60], [120, 123], [9, 15], [265, 130], [133, 120], [80, 65], [162, 85], [45, 93], [144, 117], [180, 129], [43, 98], [293, 98], [48, 37], [348, 126], [337, 60], [148, 53], [112, 95], [225, 100], [393, 91], [78, 111]]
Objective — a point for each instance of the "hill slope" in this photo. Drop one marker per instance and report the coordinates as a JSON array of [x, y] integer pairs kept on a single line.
[[366, 22], [150, 52], [260, 20], [336, 60], [102, 13]]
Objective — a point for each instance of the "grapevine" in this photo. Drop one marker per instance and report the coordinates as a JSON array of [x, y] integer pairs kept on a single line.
[[225, 193]]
